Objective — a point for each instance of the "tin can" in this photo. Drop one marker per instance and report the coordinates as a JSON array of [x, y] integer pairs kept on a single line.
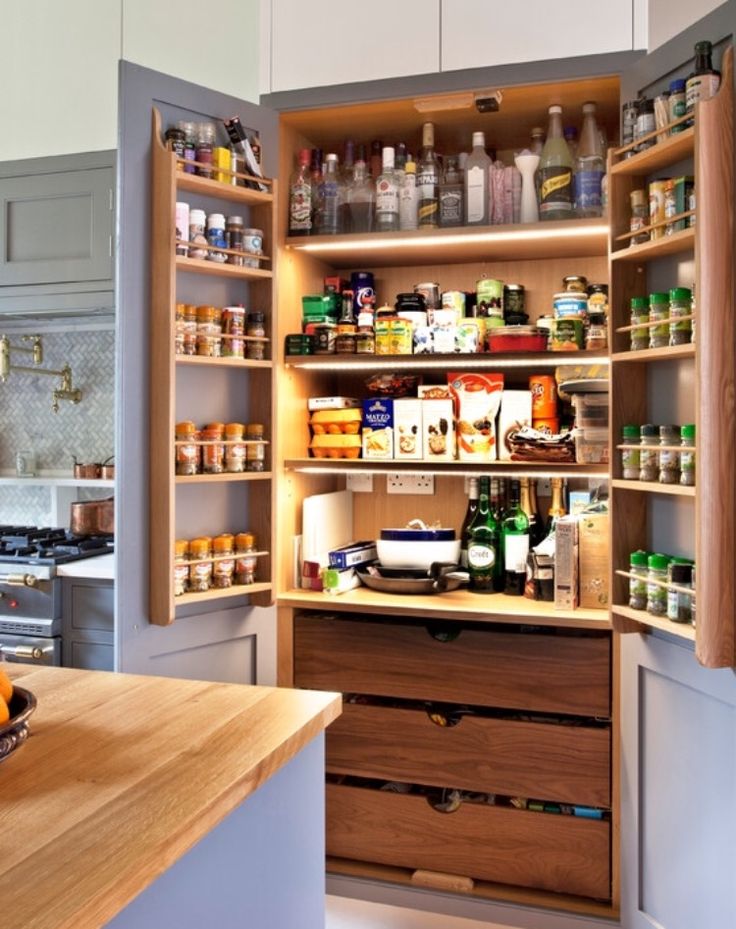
[[657, 207], [543, 388], [489, 297], [454, 300], [549, 425], [431, 292], [362, 285], [567, 335]]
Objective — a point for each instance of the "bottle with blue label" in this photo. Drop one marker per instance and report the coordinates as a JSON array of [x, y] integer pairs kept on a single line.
[[589, 166]]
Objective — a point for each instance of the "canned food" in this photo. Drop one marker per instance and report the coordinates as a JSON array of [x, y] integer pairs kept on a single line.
[[543, 388], [324, 340], [566, 335], [489, 297], [431, 292], [454, 300]]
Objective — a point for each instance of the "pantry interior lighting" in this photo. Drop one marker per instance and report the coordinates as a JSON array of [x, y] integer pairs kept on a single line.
[[462, 101], [490, 467], [450, 362]]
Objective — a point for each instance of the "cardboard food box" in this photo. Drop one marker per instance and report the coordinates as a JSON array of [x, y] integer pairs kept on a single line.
[[378, 428], [476, 398], [438, 430], [516, 412], [566, 563], [408, 428], [593, 558]]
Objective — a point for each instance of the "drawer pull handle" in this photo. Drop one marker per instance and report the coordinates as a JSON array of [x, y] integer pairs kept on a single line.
[[442, 632], [444, 720]]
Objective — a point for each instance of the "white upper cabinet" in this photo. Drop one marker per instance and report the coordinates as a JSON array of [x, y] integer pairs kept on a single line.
[[478, 34], [340, 43]]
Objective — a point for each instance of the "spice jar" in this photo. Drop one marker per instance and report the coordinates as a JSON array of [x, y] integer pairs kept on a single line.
[[638, 565], [513, 300], [179, 328], [676, 104], [648, 457], [197, 233], [233, 327], [630, 463], [669, 459], [687, 457], [175, 140], [223, 567], [679, 603], [245, 561], [235, 453], [692, 602], [639, 216], [256, 330], [216, 238], [205, 144], [656, 593], [252, 246], [189, 330], [645, 123], [200, 570], [187, 454], [181, 568], [181, 223], [256, 449], [639, 315], [213, 450], [680, 305], [659, 309], [596, 335], [234, 238], [209, 331]]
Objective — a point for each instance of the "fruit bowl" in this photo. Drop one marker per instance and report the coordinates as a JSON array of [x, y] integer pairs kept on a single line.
[[14, 732]]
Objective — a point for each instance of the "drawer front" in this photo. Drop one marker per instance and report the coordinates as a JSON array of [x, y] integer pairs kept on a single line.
[[547, 673], [563, 854], [568, 764]]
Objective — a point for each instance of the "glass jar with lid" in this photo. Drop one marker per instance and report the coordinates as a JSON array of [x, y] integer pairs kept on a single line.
[[648, 455], [233, 330], [200, 569], [209, 331], [189, 330], [187, 450], [659, 309], [256, 332], [638, 566], [575, 283], [223, 567], [680, 305], [235, 450], [630, 463], [639, 317], [669, 457], [255, 449], [213, 449], [679, 602], [687, 455], [181, 567], [245, 559], [657, 566]]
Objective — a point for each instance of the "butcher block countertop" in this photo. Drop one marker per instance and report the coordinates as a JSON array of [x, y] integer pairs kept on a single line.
[[122, 774]]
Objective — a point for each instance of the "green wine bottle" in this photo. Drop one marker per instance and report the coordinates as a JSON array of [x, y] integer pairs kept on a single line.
[[515, 538], [482, 543]]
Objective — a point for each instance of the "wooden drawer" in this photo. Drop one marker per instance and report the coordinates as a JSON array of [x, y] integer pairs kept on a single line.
[[569, 764], [486, 667], [564, 854]]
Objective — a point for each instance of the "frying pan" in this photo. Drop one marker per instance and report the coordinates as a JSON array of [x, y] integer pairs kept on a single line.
[[441, 577]]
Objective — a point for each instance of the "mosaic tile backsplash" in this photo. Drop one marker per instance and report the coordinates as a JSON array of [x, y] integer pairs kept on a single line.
[[27, 421]]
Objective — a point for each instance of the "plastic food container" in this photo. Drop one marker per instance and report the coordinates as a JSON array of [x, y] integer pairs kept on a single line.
[[570, 305], [591, 445], [335, 446], [335, 422], [517, 339], [417, 548], [591, 410]]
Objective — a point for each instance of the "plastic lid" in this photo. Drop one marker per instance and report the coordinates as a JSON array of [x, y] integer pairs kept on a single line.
[[197, 217], [649, 430], [234, 429], [645, 106], [659, 297], [305, 155], [217, 220], [256, 317], [597, 289], [677, 86], [638, 197], [479, 138], [181, 548], [664, 430], [254, 429], [631, 432], [223, 543], [410, 167], [639, 303], [639, 558], [681, 573], [514, 287], [681, 294], [245, 540], [235, 220], [188, 427], [589, 107], [688, 431], [658, 562], [199, 548], [555, 108]]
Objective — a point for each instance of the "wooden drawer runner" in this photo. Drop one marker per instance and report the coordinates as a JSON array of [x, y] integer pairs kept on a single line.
[[486, 667], [564, 854], [569, 764]]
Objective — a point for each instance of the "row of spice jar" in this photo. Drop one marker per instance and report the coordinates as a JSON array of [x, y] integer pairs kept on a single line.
[[664, 199], [660, 583], [659, 453], [214, 238], [663, 319], [219, 447], [204, 563], [214, 332]]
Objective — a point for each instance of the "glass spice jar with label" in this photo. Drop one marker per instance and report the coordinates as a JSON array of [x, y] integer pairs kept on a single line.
[[209, 331], [213, 449], [639, 318], [235, 450], [200, 570], [687, 455], [234, 238], [680, 305], [659, 310], [245, 559], [630, 463], [638, 567], [255, 449], [181, 567], [648, 454], [657, 566], [233, 331], [223, 566], [189, 330], [179, 328], [669, 458], [187, 451], [256, 331]]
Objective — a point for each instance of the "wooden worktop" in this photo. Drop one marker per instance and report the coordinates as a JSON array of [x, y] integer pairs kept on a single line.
[[122, 774]]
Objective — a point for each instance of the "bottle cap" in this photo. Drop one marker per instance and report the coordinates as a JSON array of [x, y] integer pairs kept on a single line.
[[479, 138], [639, 558], [181, 548], [388, 156], [658, 562], [631, 432], [197, 217], [589, 107], [681, 573], [659, 298], [677, 86], [688, 431], [305, 155], [639, 303], [555, 108], [638, 198], [681, 294], [649, 431], [216, 221], [410, 167]]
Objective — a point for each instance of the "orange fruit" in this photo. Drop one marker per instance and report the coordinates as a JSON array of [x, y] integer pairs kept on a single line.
[[4, 712], [6, 686]]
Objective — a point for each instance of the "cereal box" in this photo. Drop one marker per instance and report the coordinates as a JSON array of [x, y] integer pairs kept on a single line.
[[408, 428], [477, 398], [438, 430], [378, 428]]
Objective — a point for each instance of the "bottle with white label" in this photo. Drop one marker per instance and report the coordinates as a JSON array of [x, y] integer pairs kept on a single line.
[[555, 171], [515, 543], [476, 183], [387, 195], [589, 167], [409, 197]]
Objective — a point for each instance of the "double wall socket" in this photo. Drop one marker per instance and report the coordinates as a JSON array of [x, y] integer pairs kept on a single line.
[[402, 482]]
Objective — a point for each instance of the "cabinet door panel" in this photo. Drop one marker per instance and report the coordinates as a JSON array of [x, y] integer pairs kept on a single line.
[[478, 34]]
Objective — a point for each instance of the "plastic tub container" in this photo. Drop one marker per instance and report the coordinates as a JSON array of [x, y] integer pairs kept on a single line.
[[591, 445], [517, 339], [591, 410]]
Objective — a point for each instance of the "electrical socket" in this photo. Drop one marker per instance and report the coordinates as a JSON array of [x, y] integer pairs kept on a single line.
[[544, 488], [404, 483], [360, 483]]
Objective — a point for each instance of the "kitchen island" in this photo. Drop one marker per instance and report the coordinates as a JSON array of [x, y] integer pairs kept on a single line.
[[141, 801]]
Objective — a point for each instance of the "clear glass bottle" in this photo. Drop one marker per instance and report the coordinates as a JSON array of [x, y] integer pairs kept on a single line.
[[428, 181], [476, 183], [482, 543], [515, 542], [638, 566], [451, 194], [571, 137], [300, 196], [409, 198], [687, 455], [361, 196], [556, 172], [387, 195], [328, 199], [589, 166]]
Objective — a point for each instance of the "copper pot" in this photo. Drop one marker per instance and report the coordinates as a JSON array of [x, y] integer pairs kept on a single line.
[[93, 517], [86, 471], [107, 469]]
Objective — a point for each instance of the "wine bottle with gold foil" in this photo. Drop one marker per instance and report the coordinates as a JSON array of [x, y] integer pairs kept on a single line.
[[557, 506]]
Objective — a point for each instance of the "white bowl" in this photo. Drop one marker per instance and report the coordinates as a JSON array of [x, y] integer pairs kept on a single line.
[[394, 554]]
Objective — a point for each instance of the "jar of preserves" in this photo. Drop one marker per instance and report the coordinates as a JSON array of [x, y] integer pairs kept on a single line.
[[657, 566], [213, 449], [659, 310], [209, 331], [630, 464], [639, 317], [235, 449], [648, 456], [189, 330], [638, 566], [256, 449], [256, 332], [680, 305], [233, 330], [687, 455], [245, 558], [669, 459], [187, 451], [200, 569], [575, 283], [223, 567], [181, 567]]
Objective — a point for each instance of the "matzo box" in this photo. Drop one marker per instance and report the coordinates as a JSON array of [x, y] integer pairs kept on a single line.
[[378, 428], [408, 428], [477, 398]]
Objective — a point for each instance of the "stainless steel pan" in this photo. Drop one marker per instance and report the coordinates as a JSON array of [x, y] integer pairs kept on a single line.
[[441, 577]]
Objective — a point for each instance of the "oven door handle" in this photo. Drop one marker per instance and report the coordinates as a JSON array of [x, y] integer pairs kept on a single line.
[[29, 652], [19, 580]]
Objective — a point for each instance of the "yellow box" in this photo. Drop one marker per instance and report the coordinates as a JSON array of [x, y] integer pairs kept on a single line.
[[221, 159], [594, 562]]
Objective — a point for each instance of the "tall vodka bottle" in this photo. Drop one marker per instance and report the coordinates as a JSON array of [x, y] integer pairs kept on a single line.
[[476, 183], [428, 180]]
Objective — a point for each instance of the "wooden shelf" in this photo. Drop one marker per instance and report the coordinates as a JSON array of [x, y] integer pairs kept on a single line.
[[207, 187], [449, 468], [237, 590], [480, 360], [669, 353], [215, 269], [675, 244], [651, 487], [223, 478], [572, 238], [222, 362], [647, 622], [673, 149], [460, 605]]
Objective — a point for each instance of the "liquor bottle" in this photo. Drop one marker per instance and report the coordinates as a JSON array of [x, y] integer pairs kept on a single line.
[[556, 507], [428, 180], [376, 161], [361, 199], [409, 197], [571, 137], [473, 492], [326, 219], [704, 80], [515, 543], [348, 161], [589, 166], [528, 505], [555, 171], [497, 507], [537, 145], [300, 196], [387, 195], [476, 183], [315, 172], [482, 543], [451, 195], [345, 173]]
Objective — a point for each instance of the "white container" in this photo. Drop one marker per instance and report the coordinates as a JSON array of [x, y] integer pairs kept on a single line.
[[516, 412], [253, 245], [408, 428], [182, 227], [393, 554]]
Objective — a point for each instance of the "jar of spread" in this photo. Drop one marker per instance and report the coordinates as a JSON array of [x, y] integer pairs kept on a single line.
[[324, 339], [187, 450]]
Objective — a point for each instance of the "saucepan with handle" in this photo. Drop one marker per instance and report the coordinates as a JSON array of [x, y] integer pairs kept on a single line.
[[441, 577]]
